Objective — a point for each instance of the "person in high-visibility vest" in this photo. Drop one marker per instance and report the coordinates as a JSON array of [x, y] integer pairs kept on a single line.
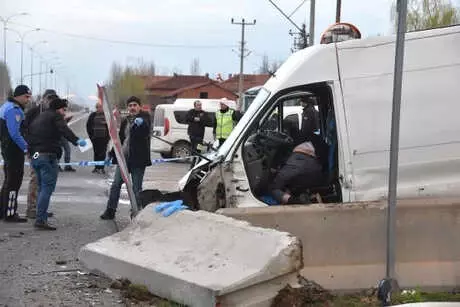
[[226, 120]]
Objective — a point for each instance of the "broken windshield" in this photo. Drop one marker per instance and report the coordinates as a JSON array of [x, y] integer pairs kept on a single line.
[[244, 121]]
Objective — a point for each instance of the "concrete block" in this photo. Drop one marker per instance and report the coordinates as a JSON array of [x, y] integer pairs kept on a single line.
[[199, 258]]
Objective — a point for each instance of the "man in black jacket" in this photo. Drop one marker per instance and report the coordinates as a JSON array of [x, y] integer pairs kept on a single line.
[[44, 138], [98, 132], [197, 121], [30, 116], [135, 138]]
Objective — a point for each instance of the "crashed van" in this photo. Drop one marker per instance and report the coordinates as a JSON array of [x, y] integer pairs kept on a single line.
[[352, 82]]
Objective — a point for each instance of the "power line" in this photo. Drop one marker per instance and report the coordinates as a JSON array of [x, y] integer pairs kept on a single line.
[[122, 42]]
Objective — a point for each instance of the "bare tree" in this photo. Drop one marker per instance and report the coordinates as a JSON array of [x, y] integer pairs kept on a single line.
[[5, 82], [265, 65], [195, 67], [429, 14]]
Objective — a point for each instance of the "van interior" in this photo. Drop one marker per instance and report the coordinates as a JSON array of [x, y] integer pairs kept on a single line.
[[277, 132]]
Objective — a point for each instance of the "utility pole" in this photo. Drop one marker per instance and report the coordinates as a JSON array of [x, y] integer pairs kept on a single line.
[[243, 24], [338, 11], [312, 21]]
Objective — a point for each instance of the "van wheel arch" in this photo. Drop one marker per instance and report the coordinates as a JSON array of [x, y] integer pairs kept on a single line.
[[181, 149]]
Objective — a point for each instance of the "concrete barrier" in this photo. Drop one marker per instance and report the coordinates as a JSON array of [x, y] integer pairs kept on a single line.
[[199, 258], [345, 245]]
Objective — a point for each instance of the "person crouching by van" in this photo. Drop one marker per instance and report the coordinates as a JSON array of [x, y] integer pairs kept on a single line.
[[225, 121], [196, 119], [135, 139], [303, 166]]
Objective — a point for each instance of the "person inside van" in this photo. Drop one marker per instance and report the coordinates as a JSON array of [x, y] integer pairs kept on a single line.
[[226, 119], [302, 170], [197, 121], [310, 119]]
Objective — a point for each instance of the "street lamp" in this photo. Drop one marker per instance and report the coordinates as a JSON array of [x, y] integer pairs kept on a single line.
[[5, 24], [32, 62], [22, 36]]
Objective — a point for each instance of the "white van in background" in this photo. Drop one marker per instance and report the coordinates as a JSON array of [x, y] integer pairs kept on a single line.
[[170, 124]]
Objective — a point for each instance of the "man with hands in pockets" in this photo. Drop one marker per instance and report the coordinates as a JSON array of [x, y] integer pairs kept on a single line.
[[44, 140], [135, 133]]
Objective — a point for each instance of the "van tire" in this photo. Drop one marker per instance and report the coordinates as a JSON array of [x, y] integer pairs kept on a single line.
[[165, 155], [181, 149]]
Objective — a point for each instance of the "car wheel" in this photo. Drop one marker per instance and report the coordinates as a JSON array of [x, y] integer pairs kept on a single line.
[[181, 150], [165, 155]]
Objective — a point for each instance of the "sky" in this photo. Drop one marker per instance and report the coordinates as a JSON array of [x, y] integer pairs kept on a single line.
[[169, 33]]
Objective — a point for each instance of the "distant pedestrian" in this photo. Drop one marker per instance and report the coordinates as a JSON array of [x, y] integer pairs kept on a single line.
[[66, 147], [14, 147], [225, 121], [98, 133], [30, 116], [135, 138], [45, 149], [197, 121]]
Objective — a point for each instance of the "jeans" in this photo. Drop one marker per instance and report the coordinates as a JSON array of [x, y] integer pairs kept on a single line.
[[66, 146], [137, 176], [46, 168]]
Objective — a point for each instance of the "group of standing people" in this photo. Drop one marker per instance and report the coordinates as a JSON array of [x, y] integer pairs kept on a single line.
[[38, 135], [222, 124]]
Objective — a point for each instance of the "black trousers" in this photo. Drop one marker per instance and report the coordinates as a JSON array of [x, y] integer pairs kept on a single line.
[[194, 141], [100, 150], [13, 170], [300, 171]]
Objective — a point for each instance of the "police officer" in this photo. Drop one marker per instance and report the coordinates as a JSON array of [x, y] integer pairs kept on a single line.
[[30, 116], [14, 147], [225, 121], [44, 137]]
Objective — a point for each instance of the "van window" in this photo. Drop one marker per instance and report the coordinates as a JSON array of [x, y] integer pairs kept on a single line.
[[181, 116]]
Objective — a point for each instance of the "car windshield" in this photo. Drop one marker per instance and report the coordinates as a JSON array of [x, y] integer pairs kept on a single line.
[[244, 121]]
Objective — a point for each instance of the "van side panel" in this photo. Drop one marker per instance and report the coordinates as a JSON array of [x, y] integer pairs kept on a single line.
[[430, 127]]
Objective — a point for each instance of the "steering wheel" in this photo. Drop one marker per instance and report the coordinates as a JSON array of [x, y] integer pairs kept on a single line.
[[276, 137]]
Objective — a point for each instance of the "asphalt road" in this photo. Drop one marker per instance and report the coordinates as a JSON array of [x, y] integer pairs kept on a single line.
[[39, 268]]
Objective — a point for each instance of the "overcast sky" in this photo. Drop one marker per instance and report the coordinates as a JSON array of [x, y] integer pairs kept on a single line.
[[176, 31]]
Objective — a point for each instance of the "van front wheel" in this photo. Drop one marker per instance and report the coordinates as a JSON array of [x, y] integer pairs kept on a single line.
[[181, 150]]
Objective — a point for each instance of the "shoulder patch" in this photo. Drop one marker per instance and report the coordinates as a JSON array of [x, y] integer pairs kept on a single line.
[[18, 118]]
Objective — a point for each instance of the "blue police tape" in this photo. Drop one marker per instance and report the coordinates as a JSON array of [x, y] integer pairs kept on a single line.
[[104, 163]]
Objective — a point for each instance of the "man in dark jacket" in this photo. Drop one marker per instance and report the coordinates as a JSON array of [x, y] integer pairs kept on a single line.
[[30, 116], [197, 121], [14, 147], [98, 133], [44, 139], [135, 138]]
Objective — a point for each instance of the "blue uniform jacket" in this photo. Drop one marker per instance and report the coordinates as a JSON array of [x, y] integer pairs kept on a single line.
[[11, 118]]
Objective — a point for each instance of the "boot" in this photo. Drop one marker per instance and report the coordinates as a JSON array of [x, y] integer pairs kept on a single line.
[[109, 214], [69, 168], [44, 226]]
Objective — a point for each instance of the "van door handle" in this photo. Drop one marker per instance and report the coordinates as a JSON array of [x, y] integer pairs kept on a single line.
[[242, 189]]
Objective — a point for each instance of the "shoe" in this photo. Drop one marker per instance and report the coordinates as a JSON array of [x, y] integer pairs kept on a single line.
[[15, 219], [33, 214], [44, 226], [60, 169], [95, 171], [109, 214], [69, 169], [101, 171]]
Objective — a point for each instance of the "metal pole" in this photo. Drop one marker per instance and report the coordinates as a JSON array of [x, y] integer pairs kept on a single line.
[[243, 24], [31, 69], [338, 11], [4, 41], [240, 81], [46, 75], [40, 78], [22, 57], [394, 147], [312, 21]]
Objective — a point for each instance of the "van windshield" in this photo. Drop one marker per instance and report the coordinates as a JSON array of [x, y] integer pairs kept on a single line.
[[244, 121]]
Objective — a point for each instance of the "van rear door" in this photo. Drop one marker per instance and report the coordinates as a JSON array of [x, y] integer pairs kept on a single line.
[[160, 123]]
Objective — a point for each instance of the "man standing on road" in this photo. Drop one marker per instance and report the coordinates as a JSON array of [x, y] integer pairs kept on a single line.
[[225, 121], [30, 116], [135, 138], [98, 133], [14, 147], [45, 148], [197, 120]]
